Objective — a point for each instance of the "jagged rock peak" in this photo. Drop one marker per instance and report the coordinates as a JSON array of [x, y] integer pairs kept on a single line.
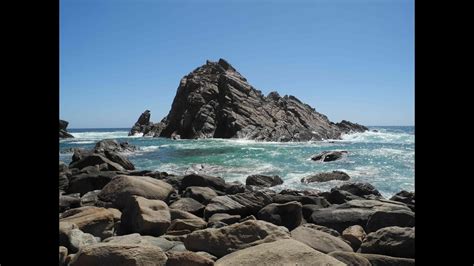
[[216, 101]]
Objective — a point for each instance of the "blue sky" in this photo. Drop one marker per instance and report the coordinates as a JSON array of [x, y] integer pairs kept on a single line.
[[350, 60]]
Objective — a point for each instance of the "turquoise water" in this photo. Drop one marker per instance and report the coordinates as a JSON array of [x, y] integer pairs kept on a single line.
[[385, 158]]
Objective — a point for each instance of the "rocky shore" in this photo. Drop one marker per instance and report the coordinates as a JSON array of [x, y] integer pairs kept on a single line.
[[216, 101], [63, 134], [113, 214]]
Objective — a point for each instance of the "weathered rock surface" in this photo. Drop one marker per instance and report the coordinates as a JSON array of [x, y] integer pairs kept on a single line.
[[200, 180], [328, 156], [201, 194], [187, 258], [391, 241], [78, 239], [119, 254], [67, 202], [354, 212], [359, 189], [243, 204], [227, 239], [354, 235], [122, 187], [216, 101], [90, 180], [406, 197], [323, 229], [145, 216], [137, 239], [281, 252], [324, 177], [187, 224], [382, 260], [143, 125], [288, 214], [225, 218], [189, 205], [381, 219], [93, 220], [263, 180], [350, 258], [319, 240]]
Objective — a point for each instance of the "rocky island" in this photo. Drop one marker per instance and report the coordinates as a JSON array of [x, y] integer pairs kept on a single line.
[[216, 101], [63, 134]]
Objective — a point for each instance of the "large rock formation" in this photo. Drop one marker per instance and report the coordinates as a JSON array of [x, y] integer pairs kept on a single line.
[[144, 125], [63, 134], [216, 101]]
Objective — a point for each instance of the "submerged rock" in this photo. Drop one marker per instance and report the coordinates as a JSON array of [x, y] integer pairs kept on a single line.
[[328, 156], [216, 101]]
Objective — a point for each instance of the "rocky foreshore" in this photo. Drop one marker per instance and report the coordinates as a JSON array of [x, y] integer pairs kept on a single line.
[[113, 214], [216, 101]]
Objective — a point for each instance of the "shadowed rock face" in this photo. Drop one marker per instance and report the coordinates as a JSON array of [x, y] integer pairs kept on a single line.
[[63, 134], [216, 101]]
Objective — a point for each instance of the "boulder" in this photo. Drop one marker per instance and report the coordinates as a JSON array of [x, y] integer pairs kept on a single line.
[[319, 240], [119, 254], [381, 219], [201, 194], [316, 200], [122, 187], [145, 216], [234, 188], [354, 235], [137, 239], [263, 180], [308, 209], [360, 189], [187, 258], [406, 197], [216, 101], [225, 218], [382, 260], [391, 241], [78, 239], [93, 220], [243, 204], [63, 134], [280, 252], [354, 212], [336, 196], [350, 258], [179, 214], [328, 156], [288, 214], [96, 159], [90, 181], [323, 229], [120, 159], [62, 255], [90, 198], [67, 202], [324, 177], [228, 239], [189, 205], [187, 224], [200, 180], [113, 146]]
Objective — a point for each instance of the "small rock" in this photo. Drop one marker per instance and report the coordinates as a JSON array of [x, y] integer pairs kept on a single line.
[[354, 235], [324, 177]]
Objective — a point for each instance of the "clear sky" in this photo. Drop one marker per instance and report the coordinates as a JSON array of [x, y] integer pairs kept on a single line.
[[349, 59]]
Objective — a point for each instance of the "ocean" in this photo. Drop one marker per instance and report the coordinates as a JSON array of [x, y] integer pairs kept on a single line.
[[385, 158]]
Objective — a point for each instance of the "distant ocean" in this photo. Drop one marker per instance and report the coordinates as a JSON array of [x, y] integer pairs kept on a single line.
[[384, 158]]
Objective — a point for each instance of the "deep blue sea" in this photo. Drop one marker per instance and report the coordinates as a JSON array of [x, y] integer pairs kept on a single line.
[[384, 158]]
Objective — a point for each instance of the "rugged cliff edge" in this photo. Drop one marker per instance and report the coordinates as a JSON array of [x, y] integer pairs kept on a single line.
[[216, 101], [63, 134]]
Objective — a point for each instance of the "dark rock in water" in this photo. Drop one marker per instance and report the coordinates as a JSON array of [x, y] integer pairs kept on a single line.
[[113, 146], [350, 258], [328, 156], [354, 212], [243, 204], [288, 214], [381, 219], [319, 240], [216, 101], [349, 127], [96, 159], [382, 260], [406, 197], [391, 241], [263, 180], [63, 134], [145, 126], [324, 177], [203, 181], [360, 189]]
